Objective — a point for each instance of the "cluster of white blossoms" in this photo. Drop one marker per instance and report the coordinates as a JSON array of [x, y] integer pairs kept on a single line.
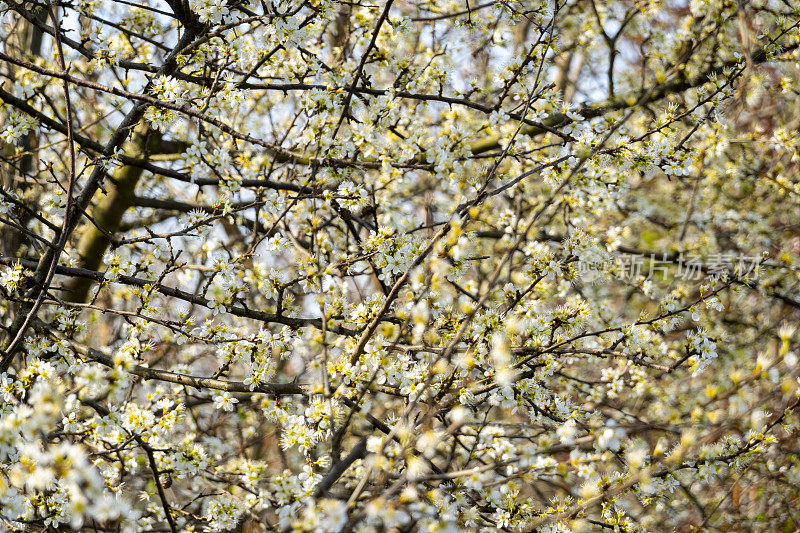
[[210, 11], [15, 125], [69, 486], [314, 265], [11, 277]]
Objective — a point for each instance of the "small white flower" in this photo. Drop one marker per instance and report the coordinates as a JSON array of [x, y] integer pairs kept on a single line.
[[225, 401]]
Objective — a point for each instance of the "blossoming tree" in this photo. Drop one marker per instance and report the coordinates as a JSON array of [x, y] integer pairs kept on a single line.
[[320, 265]]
